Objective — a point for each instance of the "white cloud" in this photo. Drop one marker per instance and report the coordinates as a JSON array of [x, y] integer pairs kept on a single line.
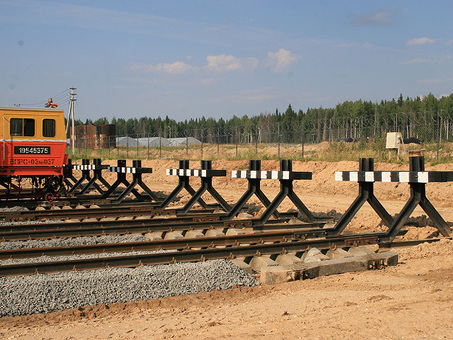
[[177, 67], [380, 17], [414, 61], [420, 41], [431, 81], [438, 60], [281, 60], [225, 63], [216, 63], [344, 45]]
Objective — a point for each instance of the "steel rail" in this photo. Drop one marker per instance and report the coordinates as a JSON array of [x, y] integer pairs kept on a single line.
[[86, 200], [410, 243], [176, 244], [103, 223], [136, 260], [33, 203], [119, 211], [101, 228], [104, 211], [81, 200]]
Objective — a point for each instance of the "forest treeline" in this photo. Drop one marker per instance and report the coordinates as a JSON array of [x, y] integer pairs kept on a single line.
[[424, 117]]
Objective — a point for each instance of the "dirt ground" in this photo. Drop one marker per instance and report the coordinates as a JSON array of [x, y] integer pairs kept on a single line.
[[413, 300]]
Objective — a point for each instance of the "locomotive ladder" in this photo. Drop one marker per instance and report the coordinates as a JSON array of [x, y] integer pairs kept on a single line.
[[417, 178], [205, 174]]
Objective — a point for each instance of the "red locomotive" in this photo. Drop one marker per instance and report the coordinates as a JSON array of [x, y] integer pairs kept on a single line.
[[32, 148]]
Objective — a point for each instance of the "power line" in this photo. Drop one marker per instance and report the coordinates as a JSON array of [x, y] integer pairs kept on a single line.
[[61, 97], [65, 92], [58, 97]]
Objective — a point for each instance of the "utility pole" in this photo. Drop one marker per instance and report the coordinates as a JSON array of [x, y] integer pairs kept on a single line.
[[71, 116]]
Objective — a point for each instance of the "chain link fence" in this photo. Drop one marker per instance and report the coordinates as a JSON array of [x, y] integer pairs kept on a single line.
[[280, 140]]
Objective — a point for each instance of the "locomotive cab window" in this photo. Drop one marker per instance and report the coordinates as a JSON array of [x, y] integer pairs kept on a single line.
[[22, 127], [48, 127], [29, 127], [15, 127]]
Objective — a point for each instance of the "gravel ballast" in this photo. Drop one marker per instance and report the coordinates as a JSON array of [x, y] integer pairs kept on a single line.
[[42, 293], [74, 241]]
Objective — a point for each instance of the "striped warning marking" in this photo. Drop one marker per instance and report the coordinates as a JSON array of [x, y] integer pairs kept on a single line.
[[394, 176], [285, 175]]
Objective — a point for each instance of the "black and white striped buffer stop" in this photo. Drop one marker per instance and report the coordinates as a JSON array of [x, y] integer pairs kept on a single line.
[[129, 170], [196, 172], [394, 176], [257, 174], [86, 167]]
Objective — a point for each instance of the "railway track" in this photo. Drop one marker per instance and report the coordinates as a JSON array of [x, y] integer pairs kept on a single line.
[[165, 244], [71, 201], [202, 222], [21, 211], [274, 238], [271, 238], [190, 249], [226, 252], [195, 250], [83, 213], [138, 227]]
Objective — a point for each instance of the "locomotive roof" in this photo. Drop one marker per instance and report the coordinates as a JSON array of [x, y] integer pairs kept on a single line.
[[22, 108]]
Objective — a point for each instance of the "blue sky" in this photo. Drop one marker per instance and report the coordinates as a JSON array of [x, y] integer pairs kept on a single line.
[[188, 59]]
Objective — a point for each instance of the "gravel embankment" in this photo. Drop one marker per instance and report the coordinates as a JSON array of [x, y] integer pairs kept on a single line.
[[45, 293]]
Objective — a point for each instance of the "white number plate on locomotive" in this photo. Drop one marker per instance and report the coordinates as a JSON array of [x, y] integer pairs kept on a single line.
[[32, 150]]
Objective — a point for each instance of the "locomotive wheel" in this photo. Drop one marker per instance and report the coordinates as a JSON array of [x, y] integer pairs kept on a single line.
[[49, 197]]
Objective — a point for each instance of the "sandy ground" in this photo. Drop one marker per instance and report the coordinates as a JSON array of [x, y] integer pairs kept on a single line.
[[413, 300]]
